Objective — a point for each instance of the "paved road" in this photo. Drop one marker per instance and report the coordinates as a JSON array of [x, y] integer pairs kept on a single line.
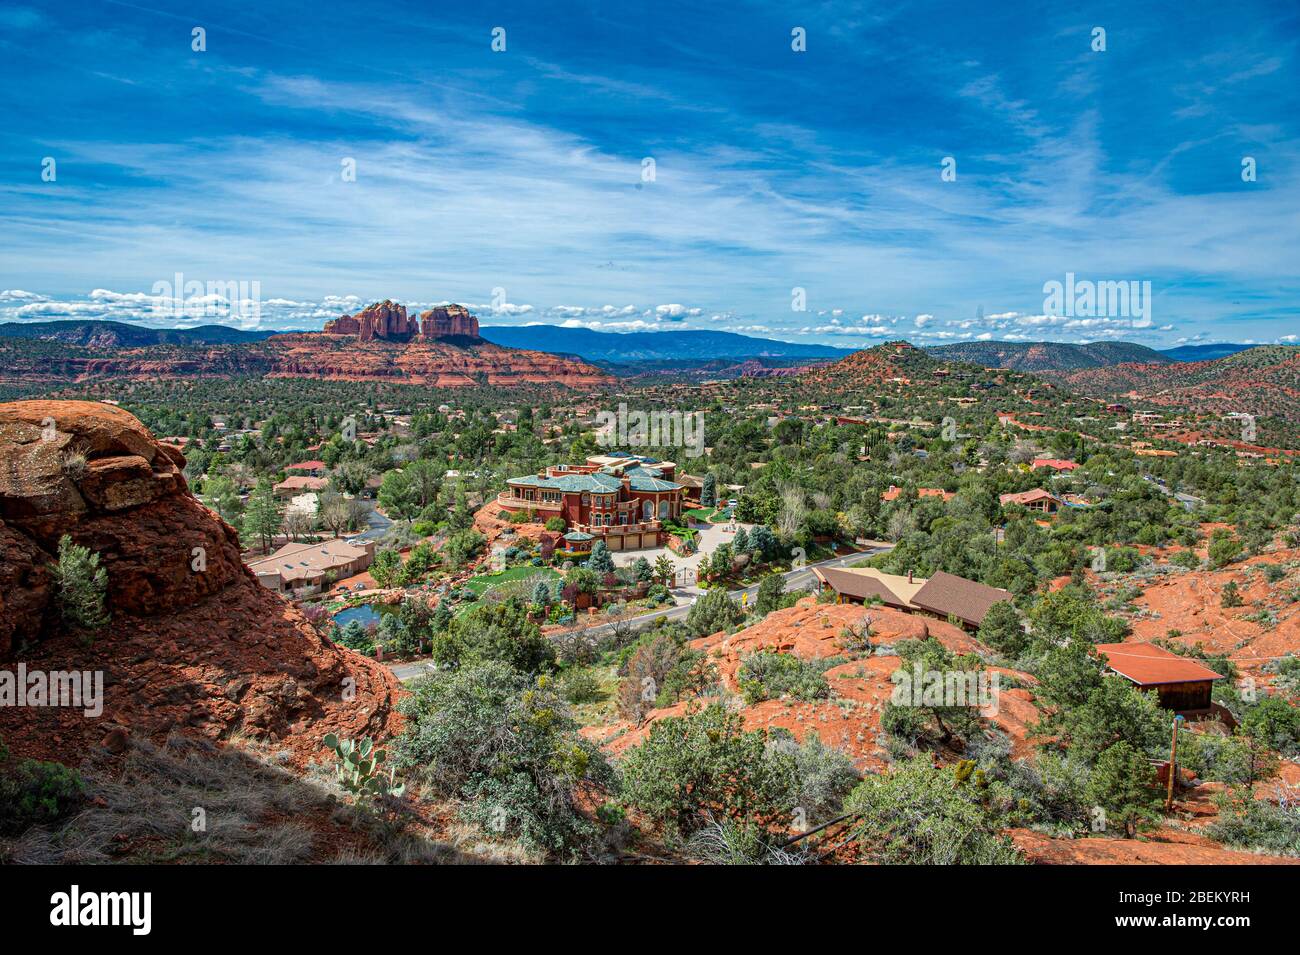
[[377, 524], [801, 579]]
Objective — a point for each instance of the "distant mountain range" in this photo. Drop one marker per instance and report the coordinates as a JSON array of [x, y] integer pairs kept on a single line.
[[1204, 352], [1263, 380], [1048, 356], [674, 346], [636, 353], [94, 333], [1064, 356]]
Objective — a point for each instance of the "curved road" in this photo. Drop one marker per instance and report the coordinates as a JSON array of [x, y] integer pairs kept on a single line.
[[798, 579]]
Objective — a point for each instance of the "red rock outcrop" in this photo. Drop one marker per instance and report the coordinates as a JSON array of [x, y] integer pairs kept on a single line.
[[448, 321], [386, 320], [438, 363], [195, 643]]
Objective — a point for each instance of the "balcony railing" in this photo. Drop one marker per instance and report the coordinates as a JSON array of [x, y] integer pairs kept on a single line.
[[506, 499], [641, 527]]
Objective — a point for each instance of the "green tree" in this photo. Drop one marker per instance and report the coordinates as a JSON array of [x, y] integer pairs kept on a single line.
[[1002, 630], [771, 595], [495, 633], [397, 496], [600, 560], [386, 567], [264, 515], [709, 491], [220, 494], [1224, 548], [664, 570], [1123, 783]]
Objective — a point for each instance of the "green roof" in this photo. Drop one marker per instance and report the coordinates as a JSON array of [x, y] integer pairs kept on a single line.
[[578, 536], [639, 483], [641, 479], [604, 483]]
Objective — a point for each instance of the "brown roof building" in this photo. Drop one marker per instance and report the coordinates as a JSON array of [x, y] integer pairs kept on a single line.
[[312, 566], [1182, 684], [943, 595], [949, 595]]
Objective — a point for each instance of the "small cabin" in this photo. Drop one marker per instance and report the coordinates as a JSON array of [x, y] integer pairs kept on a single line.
[[1181, 684]]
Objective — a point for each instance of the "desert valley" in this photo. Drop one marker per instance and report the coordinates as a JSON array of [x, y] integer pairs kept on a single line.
[[276, 550], [648, 440]]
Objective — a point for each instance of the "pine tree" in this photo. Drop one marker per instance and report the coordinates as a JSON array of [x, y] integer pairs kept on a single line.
[[600, 560], [542, 594], [762, 542], [641, 567], [265, 514], [709, 491], [741, 542], [441, 618], [1123, 784]]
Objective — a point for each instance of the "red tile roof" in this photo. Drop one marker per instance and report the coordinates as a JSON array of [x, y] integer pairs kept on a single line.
[[307, 466], [1056, 464], [1028, 497], [1149, 665], [893, 493]]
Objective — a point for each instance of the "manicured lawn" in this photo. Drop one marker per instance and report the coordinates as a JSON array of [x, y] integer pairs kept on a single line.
[[485, 582], [708, 515]]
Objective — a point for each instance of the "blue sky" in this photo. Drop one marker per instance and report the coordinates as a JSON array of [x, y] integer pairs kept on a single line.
[[513, 181]]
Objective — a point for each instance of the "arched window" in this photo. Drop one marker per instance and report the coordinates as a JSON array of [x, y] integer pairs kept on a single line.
[[663, 510], [648, 509]]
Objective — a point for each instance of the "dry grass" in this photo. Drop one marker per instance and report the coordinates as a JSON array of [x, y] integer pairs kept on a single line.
[[142, 809]]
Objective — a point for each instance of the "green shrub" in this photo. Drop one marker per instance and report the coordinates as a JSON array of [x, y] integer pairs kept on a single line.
[[713, 612], [579, 685], [35, 793], [81, 588], [926, 815], [1259, 826], [693, 768], [507, 745], [766, 676]]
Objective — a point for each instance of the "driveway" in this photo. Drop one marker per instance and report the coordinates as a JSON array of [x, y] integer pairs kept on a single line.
[[377, 524], [708, 537]]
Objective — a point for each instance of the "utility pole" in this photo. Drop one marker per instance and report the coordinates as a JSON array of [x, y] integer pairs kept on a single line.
[[1173, 765]]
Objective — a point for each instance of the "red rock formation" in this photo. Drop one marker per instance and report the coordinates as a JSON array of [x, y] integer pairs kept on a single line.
[[448, 321], [194, 645], [384, 319]]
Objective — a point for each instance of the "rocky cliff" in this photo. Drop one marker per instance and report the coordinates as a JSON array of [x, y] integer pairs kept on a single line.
[[388, 320], [195, 644]]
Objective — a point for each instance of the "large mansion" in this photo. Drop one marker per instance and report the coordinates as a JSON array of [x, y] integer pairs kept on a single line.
[[622, 499]]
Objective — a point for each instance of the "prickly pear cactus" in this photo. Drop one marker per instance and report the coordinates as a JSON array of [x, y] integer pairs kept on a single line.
[[357, 765]]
